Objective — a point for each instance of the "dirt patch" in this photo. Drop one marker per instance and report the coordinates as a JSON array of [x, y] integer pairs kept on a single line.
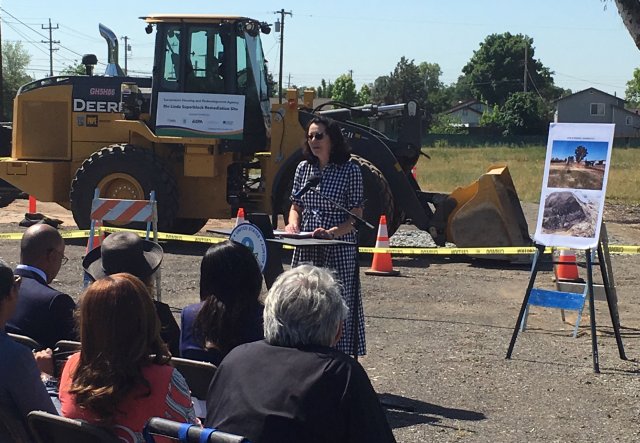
[[437, 337]]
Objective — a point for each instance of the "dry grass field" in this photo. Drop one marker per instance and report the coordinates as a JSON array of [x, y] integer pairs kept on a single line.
[[449, 168]]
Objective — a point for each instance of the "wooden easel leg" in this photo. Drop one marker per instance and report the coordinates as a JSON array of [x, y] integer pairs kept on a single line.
[[592, 312], [605, 269], [534, 271]]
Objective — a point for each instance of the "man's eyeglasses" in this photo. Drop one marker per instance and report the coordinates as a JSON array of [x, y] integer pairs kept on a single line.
[[16, 281], [317, 136], [63, 260]]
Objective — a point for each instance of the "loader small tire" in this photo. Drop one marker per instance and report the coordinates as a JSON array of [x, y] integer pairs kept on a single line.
[[378, 200], [124, 172]]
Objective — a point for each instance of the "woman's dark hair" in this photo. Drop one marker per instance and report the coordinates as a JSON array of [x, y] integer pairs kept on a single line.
[[230, 284], [340, 150], [120, 334]]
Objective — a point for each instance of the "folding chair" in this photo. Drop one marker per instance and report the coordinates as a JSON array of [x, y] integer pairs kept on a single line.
[[187, 433], [198, 375], [27, 341], [49, 428], [123, 212]]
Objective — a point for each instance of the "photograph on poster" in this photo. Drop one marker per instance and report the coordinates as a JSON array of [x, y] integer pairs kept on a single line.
[[577, 164], [571, 213]]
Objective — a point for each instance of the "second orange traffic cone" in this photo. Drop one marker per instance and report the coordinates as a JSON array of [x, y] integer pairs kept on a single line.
[[381, 264], [567, 268], [240, 217], [98, 236]]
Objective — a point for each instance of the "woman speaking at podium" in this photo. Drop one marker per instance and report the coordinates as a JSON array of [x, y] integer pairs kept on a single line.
[[327, 157]]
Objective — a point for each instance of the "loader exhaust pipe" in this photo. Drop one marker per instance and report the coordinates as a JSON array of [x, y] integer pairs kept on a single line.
[[113, 68]]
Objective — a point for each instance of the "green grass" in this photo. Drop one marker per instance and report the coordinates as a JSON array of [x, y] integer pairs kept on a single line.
[[450, 168]]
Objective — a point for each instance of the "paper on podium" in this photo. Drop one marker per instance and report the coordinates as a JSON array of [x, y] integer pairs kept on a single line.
[[285, 234]]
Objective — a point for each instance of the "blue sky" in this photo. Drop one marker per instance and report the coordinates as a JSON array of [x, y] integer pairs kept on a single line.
[[581, 41], [565, 148]]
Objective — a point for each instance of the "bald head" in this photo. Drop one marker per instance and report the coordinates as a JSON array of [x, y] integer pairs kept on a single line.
[[37, 242]]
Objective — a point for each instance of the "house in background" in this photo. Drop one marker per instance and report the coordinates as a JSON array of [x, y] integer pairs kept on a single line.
[[468, 113], [594, 106]]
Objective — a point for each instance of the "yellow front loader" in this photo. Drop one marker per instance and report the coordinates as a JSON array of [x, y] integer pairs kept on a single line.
[[203, 134]]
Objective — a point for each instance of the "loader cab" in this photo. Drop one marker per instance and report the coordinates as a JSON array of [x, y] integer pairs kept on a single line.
[[202, 55]]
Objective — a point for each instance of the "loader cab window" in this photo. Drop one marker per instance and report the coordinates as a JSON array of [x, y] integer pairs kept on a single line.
[[203, 68], [171, 69]]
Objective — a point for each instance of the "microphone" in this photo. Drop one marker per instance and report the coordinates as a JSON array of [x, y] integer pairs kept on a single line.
[[312, 182]]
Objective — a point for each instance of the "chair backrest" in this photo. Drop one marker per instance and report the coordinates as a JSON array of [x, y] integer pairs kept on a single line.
[[27, 341], [198, 375], [12, 429], [49, 428], [188, 433]]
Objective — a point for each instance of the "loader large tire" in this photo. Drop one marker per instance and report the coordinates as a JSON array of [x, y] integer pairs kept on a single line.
[[188, 226], [378, 200], [124, 172]]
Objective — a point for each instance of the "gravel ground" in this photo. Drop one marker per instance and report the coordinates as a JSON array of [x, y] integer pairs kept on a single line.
[[437, 336]]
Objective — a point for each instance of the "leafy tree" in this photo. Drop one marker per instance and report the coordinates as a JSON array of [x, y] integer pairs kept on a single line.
[[381, 90], [459, 91], [14, 73], [496, 69], [632, 93], [629, 11], [581, 153], [77, 69], [344, 90], [325, 90], [447, 124], [523, 113], [364, 95]]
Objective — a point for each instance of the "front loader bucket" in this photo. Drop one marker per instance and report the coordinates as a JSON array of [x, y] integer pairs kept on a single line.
[[488, 213]]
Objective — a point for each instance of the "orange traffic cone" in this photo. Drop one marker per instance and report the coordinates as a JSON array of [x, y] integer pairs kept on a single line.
[[240, 217], [567, 268], [381, 264]]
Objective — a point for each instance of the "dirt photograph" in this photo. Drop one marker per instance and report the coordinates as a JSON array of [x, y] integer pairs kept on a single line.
[[437, 337], [562, 175], [570, 213]]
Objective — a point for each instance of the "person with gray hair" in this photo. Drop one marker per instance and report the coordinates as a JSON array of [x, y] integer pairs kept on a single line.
[[294, 386]]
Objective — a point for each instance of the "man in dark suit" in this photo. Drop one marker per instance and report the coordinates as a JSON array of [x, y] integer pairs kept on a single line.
[[43, 313]]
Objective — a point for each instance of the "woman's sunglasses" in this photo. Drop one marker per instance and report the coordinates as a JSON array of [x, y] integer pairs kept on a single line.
[[317, 136]]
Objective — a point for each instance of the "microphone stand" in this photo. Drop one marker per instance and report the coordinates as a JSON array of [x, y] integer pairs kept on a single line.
[[358, 222]]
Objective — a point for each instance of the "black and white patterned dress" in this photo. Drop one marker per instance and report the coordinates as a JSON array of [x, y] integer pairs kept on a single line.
[[342, 184]]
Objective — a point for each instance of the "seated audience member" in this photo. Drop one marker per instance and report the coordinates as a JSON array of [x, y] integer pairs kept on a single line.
[[21, 390], [122, 375], [43, 313], [229, 313], [293, 386], [127, 252]]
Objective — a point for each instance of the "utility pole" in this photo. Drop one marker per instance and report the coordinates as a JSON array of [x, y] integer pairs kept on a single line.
[[526, 57], [127, 49], [289, 82], [51, 43], [351, 73], [280, 28]]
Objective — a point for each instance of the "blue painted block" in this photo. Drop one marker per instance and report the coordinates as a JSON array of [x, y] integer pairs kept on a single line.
[[557, 299]]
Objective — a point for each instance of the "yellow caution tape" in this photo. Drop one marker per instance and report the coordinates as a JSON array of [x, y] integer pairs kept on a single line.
[[510, 250]]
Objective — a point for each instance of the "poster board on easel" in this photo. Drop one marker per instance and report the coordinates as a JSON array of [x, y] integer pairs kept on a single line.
[[570, 215], [574, 184]]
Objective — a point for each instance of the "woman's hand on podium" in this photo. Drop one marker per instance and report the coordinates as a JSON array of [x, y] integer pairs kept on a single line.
[[292, 228], [321, 233]]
